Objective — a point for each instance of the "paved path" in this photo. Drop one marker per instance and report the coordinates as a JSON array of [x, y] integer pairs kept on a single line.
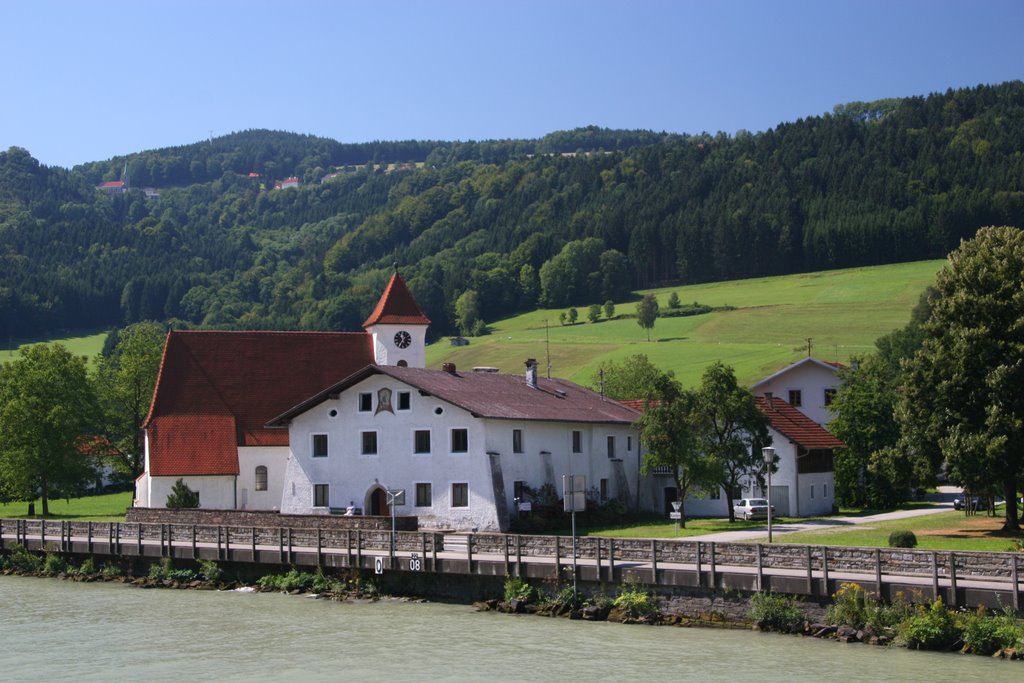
[[940, 502]]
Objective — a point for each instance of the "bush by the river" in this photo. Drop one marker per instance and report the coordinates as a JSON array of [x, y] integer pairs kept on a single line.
[[857, 615], [776, 612]]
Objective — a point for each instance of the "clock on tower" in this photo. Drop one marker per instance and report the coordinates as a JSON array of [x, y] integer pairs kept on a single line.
[[402, 339]]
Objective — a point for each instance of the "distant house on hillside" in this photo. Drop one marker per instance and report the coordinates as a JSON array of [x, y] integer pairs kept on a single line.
[[293, 181], [809, 385], [112, 187]]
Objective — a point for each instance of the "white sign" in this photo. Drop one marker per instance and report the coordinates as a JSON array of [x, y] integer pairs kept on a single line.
[[414, 563], [526, 506], [396, 497], [574, 497], [378, 565], [675, 515]]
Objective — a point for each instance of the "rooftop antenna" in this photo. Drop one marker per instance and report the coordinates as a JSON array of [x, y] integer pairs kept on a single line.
[[600, 381], [547, 346], [808, 347]]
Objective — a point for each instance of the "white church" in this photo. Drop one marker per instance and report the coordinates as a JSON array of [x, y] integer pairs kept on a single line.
[[308, 422]]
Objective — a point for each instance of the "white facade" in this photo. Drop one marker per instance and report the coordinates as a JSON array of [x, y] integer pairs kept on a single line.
[[397, 344], [807, 385], [216, 492], [459, 483]]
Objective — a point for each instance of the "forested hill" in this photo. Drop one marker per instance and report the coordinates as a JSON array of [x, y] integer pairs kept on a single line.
[[574, 218]]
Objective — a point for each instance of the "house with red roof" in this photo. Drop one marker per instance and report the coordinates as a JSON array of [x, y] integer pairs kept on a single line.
[[314, 422], [466, 447], [216, 391], [803, 484], [809, 385]]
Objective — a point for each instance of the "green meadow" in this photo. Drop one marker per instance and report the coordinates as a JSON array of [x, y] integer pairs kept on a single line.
[[765, 327], [88, 345]]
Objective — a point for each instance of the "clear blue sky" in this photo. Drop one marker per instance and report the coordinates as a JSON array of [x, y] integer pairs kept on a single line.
[[85, 81]]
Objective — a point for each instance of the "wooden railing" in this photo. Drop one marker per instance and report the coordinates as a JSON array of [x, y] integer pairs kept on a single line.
[[960, 577]]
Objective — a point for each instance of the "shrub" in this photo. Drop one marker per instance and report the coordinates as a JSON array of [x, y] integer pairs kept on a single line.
[[636, 602], [165, 571], [88, 567], [518, 589], [848, 606], [210, 571], [182, 497], [292, 581], [568, 597], [931, 628], [986, 635], [22, 559], [111, 571], [776, 612], [902, 539], [54, 564]]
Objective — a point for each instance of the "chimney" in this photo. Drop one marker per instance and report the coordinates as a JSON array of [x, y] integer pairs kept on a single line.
[[768, 398], [449, 368], [531, 372]]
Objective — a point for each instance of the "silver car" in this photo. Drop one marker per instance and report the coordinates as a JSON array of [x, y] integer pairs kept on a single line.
[[751, 508]]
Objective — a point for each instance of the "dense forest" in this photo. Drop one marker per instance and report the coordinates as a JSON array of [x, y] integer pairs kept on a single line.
[[577, 217]]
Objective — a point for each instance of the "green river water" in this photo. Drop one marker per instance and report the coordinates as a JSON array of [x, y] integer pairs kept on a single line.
[[53, 630]]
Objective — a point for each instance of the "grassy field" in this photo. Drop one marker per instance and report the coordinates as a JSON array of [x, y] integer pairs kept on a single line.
[[88, 345], [941, 531], [106, 508], [842, 311]]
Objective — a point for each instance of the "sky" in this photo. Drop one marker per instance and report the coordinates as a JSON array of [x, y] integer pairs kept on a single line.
[[85, 81]]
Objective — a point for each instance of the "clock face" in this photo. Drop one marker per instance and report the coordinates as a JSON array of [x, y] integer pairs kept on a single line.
[[403, 339]]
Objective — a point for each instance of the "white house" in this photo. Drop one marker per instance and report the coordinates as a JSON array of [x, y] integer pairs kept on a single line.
[[802, 486], [808, 385], [462, 445]]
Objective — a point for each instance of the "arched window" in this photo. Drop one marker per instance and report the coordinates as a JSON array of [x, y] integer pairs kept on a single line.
[[261, 478]]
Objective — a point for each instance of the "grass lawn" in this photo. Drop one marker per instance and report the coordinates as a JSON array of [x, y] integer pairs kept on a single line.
[[653, 526], [941, 531], [109, 507], [88, 345], [843, 311]]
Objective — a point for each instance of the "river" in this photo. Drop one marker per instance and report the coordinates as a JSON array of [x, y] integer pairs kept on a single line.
[[54, 630]]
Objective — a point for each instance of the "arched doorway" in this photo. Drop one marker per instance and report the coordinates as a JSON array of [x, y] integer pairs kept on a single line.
[[377, 502]]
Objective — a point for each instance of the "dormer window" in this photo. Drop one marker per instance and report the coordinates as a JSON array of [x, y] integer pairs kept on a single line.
[[795, 398]]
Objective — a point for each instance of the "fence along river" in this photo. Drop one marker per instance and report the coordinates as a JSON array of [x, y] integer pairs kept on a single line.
[[63, 631], [962, 579]]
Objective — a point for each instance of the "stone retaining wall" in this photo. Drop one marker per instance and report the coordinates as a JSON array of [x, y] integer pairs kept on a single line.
[[266, 519]]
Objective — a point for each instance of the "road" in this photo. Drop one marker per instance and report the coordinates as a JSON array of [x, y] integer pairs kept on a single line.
[[940, 502]]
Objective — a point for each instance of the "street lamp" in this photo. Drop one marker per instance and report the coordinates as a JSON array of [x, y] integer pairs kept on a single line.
[[769, 459]]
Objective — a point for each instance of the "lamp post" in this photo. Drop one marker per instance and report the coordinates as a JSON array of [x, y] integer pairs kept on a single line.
[[769, 459]]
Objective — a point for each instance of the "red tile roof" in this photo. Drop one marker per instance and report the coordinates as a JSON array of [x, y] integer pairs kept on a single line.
[[493, 395], [396, 306], [112, 184], [183, 445], [219, 389], [796, 426]]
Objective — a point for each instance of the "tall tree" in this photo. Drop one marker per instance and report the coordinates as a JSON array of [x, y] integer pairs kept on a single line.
[[673, 432], [124, 382], [647, 313], [634, 378], [963, 398], [48, 412], [736, 429]]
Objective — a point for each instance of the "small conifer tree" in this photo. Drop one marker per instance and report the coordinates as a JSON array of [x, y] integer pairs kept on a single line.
[[182, 496]]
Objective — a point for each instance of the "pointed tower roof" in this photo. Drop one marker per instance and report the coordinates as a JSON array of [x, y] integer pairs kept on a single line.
[[396, 306]]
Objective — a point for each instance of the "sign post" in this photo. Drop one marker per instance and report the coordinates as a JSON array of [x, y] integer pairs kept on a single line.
[[676, 513], [574, 499], [395, 497]]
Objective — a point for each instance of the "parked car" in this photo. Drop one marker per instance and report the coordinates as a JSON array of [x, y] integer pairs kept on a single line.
[[751, 508], [959, 501]]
